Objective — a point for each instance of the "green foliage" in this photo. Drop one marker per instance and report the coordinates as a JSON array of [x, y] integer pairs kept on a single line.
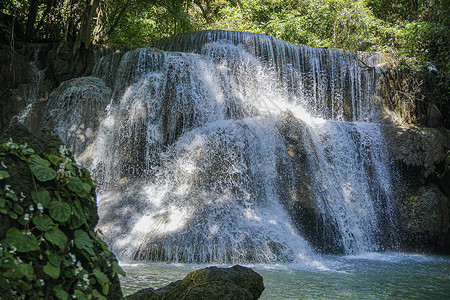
[[49, 251]]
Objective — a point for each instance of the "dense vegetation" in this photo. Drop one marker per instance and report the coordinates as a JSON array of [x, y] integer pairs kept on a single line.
[[410, 28], [48, 249], [415, 31]]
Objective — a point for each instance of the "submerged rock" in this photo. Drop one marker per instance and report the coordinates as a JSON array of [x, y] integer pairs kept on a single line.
[[236, 282]]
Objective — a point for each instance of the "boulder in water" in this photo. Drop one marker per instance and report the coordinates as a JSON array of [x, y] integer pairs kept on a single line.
[[236, 282]]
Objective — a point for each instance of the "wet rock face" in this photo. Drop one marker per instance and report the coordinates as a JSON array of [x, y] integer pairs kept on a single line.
[[417, 146], [424, 218], [236, 282], [299, 197]]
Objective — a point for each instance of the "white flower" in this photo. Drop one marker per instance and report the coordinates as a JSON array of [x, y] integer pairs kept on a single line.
[[31, 207], [22, 195], [40, 207], [7, 187], [3, 165], [26, 217], [86, 277]]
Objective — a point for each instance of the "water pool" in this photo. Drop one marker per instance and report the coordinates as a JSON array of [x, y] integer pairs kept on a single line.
[[368, 276]]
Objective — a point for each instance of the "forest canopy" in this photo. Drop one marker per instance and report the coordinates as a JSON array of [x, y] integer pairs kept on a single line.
[[414, 30]]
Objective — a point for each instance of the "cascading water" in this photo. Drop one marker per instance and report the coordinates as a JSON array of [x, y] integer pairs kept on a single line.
[[192, 164]]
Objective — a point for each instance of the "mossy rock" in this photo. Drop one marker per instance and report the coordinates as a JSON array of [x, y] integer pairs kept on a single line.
[[236, 282], [48, 249]]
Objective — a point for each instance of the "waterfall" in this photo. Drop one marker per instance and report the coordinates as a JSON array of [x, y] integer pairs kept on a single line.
[[209, 148]]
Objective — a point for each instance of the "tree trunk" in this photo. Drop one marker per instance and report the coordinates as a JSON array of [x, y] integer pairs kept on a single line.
[[32, 14], [84, 37]]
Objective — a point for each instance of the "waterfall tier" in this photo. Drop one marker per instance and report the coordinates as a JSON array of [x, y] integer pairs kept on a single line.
[[232, 147]]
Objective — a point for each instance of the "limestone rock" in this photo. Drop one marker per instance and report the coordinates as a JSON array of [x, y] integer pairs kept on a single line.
[[236, 282], [82, 100], [299, 197], [417, 146], [425, 216]]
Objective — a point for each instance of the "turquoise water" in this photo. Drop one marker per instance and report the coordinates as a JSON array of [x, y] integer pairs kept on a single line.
[[368, 276]]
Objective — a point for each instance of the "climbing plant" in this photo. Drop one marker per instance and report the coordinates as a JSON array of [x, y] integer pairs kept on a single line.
[[49, 250]]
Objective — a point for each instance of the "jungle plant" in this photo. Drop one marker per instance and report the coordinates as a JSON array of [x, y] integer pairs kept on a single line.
[[49, 250]]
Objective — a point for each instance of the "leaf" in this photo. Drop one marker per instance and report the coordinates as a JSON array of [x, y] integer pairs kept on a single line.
[[23, 242], [87, 187], [83, 241], [18, 209], [41, 168], [54, 258], [60, 293], [4, 174], [60, 211], [97, 295], [51, 270], [27, 270], [11, 195], [54, 159], [56, 237], [2, 202], [77, 186], [101, 277], [43, 222], [77, 218], [41, 195], [80, 295], [12, 215], [118, 269]]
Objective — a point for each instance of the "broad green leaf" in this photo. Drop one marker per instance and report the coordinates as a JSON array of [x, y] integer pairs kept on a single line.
[[87, 187], [60, 211], [41, 195], [101, 277], [18, 209], [27, 270], [12, 215], [2, 202], [51, 270], [20, 240], [83, 241], [76, 185], [54, 159], [54, 258], [11, 195], [105, 288], [118, 269], [80, 295], [77, 218], [41, 168], [97, 295], [60, 293], [4, 174], [43, 222], [56, 237]]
